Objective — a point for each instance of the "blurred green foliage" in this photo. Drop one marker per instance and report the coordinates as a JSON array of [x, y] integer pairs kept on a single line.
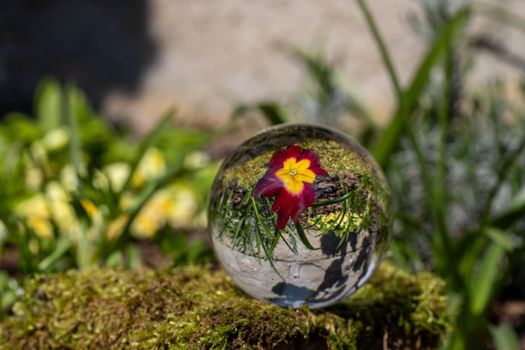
[[455, 160], [77, 191]]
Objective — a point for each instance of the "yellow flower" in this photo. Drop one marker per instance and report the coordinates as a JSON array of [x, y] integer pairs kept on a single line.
[[3, 231], [152, 216], [55, 139], [68, 178], [60, 209], [196, 160], [144, 226], [294, 174], [152, 166], [175, 205], [41, 226], [36, 212], [115, 227], [89, 207], [117, 174], [183, 205], [38, 152], [34, 178]]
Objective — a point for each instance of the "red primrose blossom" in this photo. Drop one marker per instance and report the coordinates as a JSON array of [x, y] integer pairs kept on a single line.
[[290, 177]]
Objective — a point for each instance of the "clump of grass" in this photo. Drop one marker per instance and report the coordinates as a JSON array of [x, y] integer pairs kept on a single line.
[[194, 308]]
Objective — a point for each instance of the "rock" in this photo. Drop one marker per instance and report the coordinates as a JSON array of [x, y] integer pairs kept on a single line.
[[205, 57], [199, 308]]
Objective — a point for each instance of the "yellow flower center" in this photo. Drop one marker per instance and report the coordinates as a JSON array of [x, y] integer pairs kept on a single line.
[[294, 174]]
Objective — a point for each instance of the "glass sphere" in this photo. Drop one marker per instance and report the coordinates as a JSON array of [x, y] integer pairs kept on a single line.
[[300, 214]]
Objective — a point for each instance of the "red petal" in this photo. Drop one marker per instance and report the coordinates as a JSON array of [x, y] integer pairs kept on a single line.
[[268, 185], [319, 171], [312, 157], [282, 220], [315, 163], [280, 156], [283, 205], [307, 198], [280, 201], [289, 206]]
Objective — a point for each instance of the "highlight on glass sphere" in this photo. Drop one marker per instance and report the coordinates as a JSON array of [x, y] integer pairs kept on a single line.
[[300, 214]]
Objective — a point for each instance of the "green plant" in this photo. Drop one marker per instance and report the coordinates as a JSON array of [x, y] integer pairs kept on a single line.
[[454, 159], [78, 192]]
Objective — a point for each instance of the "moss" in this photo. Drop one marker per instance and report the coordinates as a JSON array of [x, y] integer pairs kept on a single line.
[[334, 158], [198, 308]]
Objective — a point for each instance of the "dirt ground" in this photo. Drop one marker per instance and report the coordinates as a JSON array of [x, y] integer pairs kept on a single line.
[[216, 54]]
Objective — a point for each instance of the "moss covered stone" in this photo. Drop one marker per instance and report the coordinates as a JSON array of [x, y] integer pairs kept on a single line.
[[195, 307]]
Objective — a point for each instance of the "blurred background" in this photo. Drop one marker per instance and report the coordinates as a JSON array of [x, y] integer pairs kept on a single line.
[[137, 60], [115, 116]]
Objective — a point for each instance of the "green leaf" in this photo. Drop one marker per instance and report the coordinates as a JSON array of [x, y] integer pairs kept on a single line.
[[391, 136], [385, 56], [500, 237], [114, 260], [71, 108], [83, 247], [302, 236], [63, 244], [272, 111], [48, 107], [504, 337], [19, 127], [133, 257], [405, 257], [509, 216], [484, 283], [78, 104], [147, 142]]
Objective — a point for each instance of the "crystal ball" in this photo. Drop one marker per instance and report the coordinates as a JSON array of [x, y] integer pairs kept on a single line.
[[300, 214]]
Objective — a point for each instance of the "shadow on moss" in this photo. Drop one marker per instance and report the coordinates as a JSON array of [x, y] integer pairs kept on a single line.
[[198, 308]]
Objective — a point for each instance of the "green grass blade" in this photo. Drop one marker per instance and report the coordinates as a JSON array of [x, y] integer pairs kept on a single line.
[[504, 337], [114, 260], [260, 224], [133, 259], [75, 147], [508, 217], [500, 237], [62, 246], [302, 236], [83, 246], [274, 113], [47, 104], [484, 283], [385, 56], [390, 138]]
